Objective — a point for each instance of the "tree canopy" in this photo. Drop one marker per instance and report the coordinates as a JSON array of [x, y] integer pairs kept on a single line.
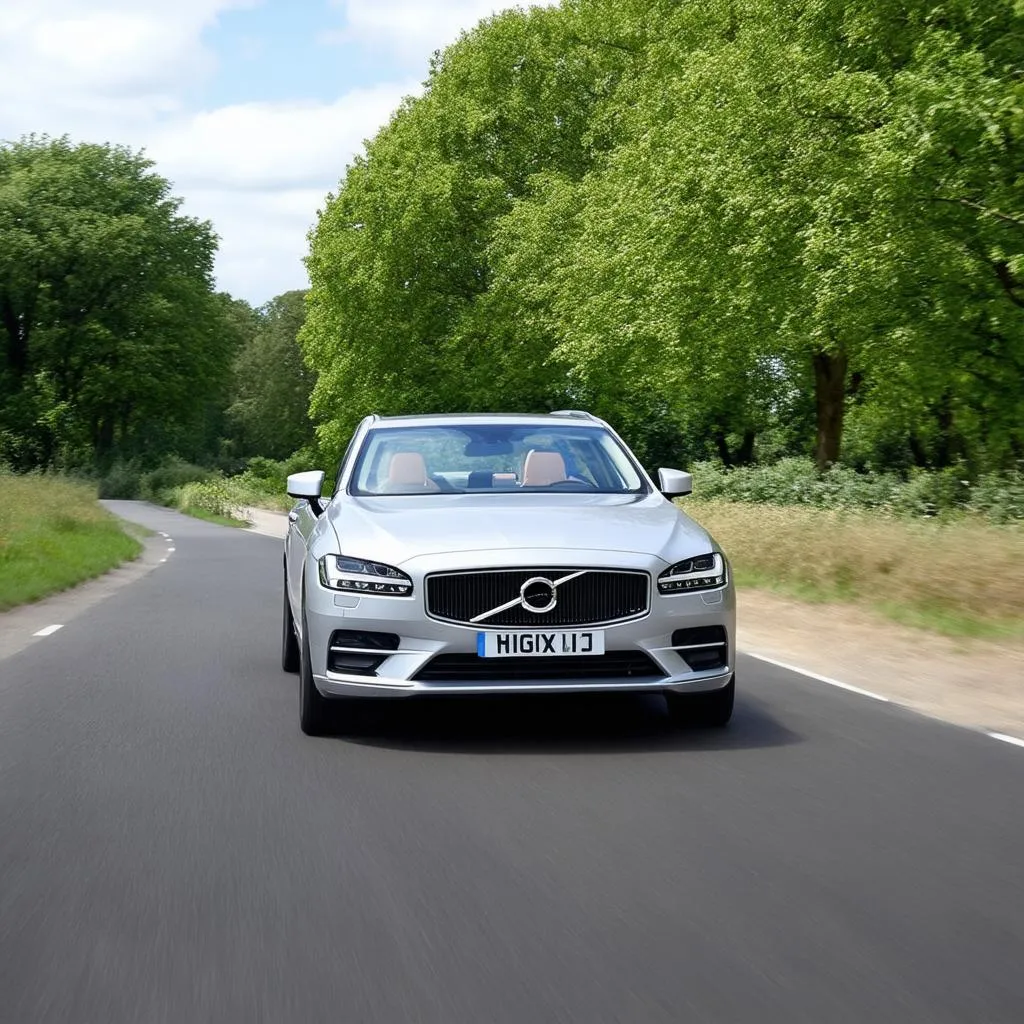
[[112, 340], [268, 412], [735, 227]]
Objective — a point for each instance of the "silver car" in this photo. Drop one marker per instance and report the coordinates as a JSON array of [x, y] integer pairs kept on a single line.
[[487, 553]]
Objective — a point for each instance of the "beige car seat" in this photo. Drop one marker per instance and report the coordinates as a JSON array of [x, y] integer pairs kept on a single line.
[[543, 468], [407, 474]]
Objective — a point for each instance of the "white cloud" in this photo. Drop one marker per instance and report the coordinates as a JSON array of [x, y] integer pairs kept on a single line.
[[415, 28], [71, 65], [267, 145], [124, 71], [261, 171]]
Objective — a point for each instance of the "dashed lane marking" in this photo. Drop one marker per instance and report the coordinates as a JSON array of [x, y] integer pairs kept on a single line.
[[48, 630]]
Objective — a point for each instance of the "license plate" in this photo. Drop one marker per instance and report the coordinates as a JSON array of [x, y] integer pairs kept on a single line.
[[524, 644]]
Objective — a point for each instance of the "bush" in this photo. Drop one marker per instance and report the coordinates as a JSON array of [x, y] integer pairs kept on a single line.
[[999, 497], [213, 496], [122, 480], [264, 480], [171, 474]]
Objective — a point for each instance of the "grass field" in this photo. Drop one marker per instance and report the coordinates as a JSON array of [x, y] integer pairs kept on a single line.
[[961, 577], [53, 535]]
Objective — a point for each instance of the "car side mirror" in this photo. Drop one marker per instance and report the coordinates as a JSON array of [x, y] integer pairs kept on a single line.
[[308, 486], [674, 483]]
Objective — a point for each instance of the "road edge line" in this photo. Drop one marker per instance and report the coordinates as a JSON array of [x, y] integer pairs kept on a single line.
[[839, 684], [1003, 738], [820, 678]]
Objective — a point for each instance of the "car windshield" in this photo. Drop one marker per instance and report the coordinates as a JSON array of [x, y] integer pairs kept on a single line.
[[494, 458]]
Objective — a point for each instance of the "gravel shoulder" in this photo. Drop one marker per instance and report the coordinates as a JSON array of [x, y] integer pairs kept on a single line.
[[977, 683]]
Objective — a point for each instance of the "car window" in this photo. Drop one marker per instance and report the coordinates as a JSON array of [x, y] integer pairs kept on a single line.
[[493, 458]]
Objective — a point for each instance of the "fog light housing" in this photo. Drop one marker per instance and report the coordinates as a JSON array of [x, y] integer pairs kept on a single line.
[[702, 647], [357, 653]]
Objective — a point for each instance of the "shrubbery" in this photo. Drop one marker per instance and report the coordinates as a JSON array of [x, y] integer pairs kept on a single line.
[[216, 497], [997, 496], [127, 480]]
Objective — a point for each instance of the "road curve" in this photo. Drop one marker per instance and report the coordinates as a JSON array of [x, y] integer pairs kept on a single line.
[[174, 851]]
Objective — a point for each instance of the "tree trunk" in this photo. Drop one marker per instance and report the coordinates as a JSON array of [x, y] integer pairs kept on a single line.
[[945, 444], [723, 449], [745, 452], [743, 456], [830, 401], [917, 449], [17, 338]]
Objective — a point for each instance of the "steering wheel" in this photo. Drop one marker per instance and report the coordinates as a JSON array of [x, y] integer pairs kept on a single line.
[[573, 483]]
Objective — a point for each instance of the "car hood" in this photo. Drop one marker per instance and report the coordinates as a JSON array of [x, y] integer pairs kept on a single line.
[[396, 528]]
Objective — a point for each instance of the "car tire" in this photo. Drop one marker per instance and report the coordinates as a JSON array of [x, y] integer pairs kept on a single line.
[[314, 708], [290, 655], [712, 709]]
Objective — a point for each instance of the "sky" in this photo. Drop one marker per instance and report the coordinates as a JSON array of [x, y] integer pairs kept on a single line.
[[251, 108]]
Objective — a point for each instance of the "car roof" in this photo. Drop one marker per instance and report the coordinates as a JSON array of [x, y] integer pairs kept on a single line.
[[566, 418]]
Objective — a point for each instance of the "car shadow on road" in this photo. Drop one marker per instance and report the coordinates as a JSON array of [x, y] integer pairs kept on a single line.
[[580, 724]]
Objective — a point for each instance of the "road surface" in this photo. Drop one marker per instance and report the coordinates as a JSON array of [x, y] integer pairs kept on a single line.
[[174, 851]]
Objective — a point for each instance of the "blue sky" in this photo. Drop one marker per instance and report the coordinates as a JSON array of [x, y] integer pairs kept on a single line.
[[252, 108], [279, 51]]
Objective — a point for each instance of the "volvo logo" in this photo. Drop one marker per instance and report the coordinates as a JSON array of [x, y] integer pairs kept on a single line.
[[539, 595]]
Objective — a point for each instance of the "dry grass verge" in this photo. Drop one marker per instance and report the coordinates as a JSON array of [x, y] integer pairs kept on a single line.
[[960, 577], [53, 534]]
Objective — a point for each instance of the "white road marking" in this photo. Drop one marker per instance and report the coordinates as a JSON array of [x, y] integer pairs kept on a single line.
[[821, 679], [169, 550], [1016, 741], [48, 630], [162, 560]]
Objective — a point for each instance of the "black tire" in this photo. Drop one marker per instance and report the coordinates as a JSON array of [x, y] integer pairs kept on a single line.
[[314, 708], [709, 710], [290, 655]]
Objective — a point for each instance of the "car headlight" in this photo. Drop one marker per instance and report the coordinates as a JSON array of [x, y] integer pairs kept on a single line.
[[702, 573], [339, 572]]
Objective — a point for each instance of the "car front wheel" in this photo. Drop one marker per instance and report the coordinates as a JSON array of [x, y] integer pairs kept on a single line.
[[712, 709], [289, 641], [313, 706]]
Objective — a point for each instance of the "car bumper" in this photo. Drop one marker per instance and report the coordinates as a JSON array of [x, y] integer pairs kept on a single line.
[[423, 638], [334, 684]]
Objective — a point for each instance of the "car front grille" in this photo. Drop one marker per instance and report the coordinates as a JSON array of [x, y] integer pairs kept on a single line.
[[469, 668], [596, 597]]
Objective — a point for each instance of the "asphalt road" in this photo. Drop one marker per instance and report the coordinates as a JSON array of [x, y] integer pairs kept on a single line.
[[174, 851]]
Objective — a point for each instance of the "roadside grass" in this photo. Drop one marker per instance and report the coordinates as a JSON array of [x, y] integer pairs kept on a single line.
[[53, 535], [960, 577], [213, 517]]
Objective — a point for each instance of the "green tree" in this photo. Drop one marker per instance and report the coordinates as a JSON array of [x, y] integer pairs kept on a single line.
[[111, 337], [400, 261], [272, 384], [721, 224]]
